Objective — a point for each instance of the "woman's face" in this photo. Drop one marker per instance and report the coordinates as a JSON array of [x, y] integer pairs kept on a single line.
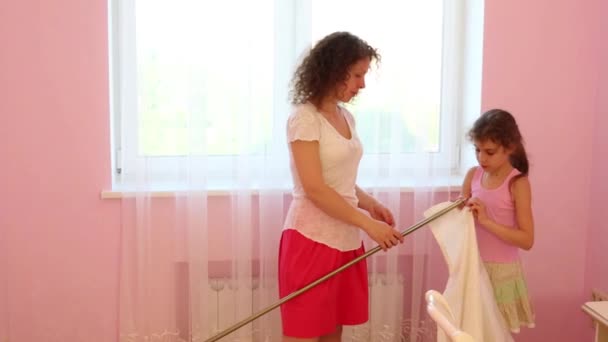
[[355, 80]]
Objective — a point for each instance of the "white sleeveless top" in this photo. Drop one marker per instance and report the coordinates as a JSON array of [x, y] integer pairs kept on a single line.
[[339, 162]]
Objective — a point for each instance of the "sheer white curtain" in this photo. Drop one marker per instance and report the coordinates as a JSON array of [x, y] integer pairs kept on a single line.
[[411, 125], [203, 161], [200, 93]]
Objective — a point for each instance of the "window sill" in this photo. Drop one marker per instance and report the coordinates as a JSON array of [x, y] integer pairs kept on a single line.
[[451, 184]]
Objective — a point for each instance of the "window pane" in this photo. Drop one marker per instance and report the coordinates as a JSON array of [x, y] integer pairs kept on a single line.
[[205, 76], [404, 95], [207, 71]]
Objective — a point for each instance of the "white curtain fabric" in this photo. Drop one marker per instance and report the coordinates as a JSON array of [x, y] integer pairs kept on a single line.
[[208, 182], [468, 291]]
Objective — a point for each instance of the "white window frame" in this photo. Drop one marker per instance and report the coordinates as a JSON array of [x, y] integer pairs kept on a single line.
[[462, 47]]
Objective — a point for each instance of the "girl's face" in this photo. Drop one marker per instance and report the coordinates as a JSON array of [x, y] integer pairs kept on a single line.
[[491, 156], [354, 82]]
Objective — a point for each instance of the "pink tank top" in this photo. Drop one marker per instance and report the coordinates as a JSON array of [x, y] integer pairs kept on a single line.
[[500, 208]]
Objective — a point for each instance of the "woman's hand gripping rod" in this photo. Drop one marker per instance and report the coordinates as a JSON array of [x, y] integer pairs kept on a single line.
[[294, 294]]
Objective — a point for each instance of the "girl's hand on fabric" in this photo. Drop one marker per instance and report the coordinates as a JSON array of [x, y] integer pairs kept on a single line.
[[381, 213], [385, 235], [464, 203], [479, 210]]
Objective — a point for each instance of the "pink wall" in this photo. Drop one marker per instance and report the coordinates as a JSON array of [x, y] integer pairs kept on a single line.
[[597, 264], [60, 242], [540, 62]]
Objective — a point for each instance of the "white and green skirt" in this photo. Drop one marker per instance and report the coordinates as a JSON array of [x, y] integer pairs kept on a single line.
[[511, 293]]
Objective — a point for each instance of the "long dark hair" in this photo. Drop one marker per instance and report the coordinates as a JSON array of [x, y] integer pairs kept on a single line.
[[327, 64], [500, 127]]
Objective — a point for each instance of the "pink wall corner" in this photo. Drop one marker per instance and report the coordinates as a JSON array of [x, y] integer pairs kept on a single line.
[[540, 63], [60, 241], [597, 257]]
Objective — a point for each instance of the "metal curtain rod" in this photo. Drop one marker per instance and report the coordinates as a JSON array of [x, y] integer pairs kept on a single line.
[[331, 274]]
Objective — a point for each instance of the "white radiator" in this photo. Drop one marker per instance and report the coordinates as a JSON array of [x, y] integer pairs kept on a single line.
[[229, 305], [384, 324]]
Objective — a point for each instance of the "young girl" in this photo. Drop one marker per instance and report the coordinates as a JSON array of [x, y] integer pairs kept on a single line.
[[500, 199], [321, 231]]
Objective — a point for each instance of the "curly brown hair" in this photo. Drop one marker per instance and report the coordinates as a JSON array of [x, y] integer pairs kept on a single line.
[[327, 64], [500, 127]]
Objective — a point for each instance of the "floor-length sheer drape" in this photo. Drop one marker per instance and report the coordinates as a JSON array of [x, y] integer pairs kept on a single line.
[[204, 163], [196, 262], [400, 277]]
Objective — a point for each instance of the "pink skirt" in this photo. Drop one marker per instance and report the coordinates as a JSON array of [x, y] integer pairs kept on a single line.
[[340, 300]]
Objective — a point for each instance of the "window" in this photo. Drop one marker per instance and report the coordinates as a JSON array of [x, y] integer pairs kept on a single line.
[[201, 81]]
